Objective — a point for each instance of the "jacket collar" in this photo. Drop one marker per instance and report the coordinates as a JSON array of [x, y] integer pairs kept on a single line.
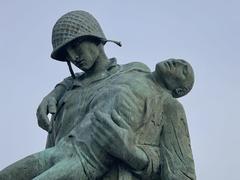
[[82, 80]]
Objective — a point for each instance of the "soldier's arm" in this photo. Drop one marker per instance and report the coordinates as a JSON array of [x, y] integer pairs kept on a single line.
[[49, 103], [176, 154]]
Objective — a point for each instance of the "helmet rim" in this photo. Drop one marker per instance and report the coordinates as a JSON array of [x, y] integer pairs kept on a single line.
[[59, 52], [74, 25]]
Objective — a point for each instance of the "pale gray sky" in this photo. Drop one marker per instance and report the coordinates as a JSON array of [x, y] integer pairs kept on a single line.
[[205, 33]]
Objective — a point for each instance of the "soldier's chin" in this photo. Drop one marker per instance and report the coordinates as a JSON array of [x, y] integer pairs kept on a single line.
[[83, 68]]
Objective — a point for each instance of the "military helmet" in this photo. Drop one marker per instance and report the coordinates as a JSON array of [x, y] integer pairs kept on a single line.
[[74, 25]]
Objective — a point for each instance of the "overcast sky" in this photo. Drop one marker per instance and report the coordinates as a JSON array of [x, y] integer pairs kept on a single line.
[[205, 33]]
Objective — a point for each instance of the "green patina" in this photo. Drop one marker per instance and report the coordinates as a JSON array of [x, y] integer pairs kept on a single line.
[[111, 121]]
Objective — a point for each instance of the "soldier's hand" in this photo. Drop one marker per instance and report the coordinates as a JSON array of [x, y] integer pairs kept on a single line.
[[113, 134], [116, 137], [48, 105]]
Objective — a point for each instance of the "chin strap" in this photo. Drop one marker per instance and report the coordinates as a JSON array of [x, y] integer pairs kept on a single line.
[[71, 70], [116, 42]]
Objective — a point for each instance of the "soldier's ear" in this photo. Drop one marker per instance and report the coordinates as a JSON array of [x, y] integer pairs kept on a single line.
[[178, 92]]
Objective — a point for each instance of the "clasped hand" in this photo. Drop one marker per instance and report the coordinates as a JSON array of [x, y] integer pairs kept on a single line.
[[114, 135]]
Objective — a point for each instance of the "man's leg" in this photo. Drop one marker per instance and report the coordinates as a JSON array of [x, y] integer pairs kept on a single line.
[[69, 168], [30, 166]]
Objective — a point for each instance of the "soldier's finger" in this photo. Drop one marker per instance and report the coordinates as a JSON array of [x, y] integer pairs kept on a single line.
[[99, 138], [103, 118], [43, 123], [50, 128], [100, 128], [42, 110], [129, 104], [119, 120], [42, 117], [52, 106], [109, 126]]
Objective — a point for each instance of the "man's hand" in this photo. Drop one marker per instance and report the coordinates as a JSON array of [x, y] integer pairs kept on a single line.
[[48, 105], [116, 137]]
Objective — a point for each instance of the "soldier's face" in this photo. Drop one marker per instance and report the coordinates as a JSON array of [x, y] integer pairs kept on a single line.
[[83, 54], [174, 73]]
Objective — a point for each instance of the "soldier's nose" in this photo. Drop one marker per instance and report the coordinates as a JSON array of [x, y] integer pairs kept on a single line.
[[73, 56], [76, 58]]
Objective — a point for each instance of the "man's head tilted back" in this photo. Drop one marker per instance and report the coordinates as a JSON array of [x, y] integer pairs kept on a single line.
[[176, 75]]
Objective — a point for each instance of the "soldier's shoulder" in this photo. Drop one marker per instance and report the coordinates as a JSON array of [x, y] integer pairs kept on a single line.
[[77, 75]]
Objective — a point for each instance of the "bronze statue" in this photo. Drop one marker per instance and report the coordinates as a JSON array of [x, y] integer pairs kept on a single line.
[[111, 121]]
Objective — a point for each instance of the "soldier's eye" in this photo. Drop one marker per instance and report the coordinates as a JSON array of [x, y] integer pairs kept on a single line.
[[73, 45]]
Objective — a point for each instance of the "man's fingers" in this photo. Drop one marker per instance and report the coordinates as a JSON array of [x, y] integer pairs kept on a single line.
[[52, 105], [119, 120]]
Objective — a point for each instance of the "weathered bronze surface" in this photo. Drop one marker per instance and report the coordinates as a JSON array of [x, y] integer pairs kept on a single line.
[[111, 121]]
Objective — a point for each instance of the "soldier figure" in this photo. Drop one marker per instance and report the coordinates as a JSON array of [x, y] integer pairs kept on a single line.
[[111, 121]]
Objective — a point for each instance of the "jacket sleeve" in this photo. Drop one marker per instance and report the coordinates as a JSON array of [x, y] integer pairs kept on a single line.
[[176, 154], [67, 83]]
